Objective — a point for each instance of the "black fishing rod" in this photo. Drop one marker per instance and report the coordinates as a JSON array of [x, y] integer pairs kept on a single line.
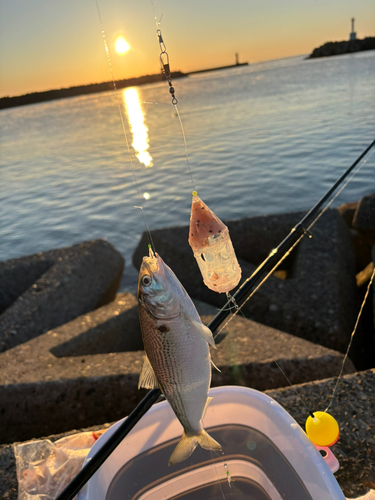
[[299, 230], [89, 469]]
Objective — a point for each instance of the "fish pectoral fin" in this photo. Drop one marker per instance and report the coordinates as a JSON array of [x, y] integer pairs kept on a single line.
[[147, 378], [205, 332]]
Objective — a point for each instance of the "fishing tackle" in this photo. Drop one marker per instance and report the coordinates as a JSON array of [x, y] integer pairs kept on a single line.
[[212, 247], [153, 395], [227, 473], [323, 429], [208, 236]]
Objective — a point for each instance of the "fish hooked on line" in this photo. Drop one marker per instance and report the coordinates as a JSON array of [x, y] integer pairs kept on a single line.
[[177, 357]]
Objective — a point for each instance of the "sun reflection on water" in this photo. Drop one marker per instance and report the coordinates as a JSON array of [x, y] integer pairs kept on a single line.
[[137, 125]]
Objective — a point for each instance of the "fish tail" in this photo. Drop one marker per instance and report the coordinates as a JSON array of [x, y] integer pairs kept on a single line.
[[207, 442], [187, 445]]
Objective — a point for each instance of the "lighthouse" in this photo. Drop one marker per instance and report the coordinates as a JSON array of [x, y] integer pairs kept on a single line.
[[352, 35]]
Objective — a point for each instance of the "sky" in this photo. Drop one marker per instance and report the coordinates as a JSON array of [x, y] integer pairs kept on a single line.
[[48, 44]]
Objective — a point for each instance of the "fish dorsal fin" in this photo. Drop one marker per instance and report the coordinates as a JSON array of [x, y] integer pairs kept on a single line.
[[204, 331], [147, 378]]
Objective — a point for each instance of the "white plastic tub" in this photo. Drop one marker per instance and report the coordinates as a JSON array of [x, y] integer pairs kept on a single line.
[[268, 456]]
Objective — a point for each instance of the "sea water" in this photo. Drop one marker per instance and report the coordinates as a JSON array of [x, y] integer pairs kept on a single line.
[[267, 138]]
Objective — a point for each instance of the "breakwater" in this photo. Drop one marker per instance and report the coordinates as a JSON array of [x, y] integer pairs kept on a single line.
[[344, 47], [219, 68]]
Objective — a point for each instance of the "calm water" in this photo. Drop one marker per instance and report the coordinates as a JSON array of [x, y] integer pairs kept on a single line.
[[266, 138]]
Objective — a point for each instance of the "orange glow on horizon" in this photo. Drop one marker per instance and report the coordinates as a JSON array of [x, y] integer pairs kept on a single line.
[[39, 56]]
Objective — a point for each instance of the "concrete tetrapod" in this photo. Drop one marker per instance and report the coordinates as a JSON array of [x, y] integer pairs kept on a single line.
[[45, 290], [317, 297], [86, 372]]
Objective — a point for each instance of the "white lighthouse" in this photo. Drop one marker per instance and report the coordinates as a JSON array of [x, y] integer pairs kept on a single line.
[[353, 34]]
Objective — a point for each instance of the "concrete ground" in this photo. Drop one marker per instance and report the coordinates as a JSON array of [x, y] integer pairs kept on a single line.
[[354, 409]]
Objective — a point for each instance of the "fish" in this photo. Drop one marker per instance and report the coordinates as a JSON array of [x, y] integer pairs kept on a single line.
[[177, 360], [213, 249]]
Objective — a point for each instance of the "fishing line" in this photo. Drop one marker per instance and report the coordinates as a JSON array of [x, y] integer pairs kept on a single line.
[[292, 386], [89, 469], [214, 463], [157, 103], [120, 108], [343, 361], [164, 60], [186, 148], [217, 474], [286, 377], [191, 383], [351, 340], [305, 231]]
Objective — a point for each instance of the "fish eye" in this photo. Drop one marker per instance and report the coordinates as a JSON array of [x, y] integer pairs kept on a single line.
[[146, 280]]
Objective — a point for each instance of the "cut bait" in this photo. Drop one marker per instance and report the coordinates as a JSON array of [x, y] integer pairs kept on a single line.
[[213, 250]]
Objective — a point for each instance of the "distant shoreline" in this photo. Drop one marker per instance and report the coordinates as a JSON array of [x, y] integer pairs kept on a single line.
[[51, 95], [344, 47]]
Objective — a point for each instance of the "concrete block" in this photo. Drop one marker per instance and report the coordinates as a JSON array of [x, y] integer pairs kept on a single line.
[[364, 217], [362, 249], [361, 239], [318, 300], [347, 211], [87, 371], [355, 412], [247, 352], [42, 291]]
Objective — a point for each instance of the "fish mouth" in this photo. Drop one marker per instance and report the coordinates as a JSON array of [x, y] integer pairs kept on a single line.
[[151, 262], [151, 267]]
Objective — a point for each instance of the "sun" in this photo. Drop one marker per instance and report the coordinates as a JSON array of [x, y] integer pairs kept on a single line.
[[121, 45]]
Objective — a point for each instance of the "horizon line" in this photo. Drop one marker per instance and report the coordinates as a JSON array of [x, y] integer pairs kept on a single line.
[[134, 77]]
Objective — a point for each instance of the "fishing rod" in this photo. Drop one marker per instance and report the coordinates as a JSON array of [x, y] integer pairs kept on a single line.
[[300, 230], [297, 232]]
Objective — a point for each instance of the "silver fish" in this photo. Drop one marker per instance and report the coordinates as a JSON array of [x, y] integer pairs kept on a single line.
[[177, 358]]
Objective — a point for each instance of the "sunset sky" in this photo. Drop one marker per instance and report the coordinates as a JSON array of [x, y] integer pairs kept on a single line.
[[46, 44]]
